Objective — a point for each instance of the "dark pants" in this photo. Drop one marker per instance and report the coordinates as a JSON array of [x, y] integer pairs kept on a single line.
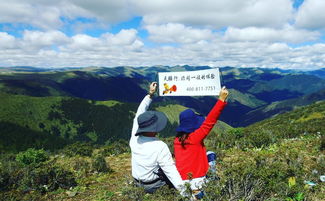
[[151, 187]]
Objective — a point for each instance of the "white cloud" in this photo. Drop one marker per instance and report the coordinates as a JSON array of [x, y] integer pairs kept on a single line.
[[177, 33], [217, 14], [308, 57], [107, 10], [286, 34], [85, 50], [54, 48], [209, 13], [44, 39], [311, 14], [82, 42], [208, 32], [124, 37], [38, 15], [6, 40], [47, 14], [278, 48]]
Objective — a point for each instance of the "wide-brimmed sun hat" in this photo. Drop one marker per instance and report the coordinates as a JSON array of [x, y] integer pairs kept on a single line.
[[151, 121], [189, 121]]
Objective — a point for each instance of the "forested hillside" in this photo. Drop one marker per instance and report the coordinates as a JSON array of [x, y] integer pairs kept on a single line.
[[52, 122]]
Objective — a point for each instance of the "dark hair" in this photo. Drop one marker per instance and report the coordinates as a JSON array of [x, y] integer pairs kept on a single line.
[[182, 137]]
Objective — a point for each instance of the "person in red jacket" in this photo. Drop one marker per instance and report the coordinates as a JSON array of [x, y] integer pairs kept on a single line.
[[190, 152]]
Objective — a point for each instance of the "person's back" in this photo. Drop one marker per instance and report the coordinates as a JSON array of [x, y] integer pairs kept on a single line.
[[152, 162], [190, 152], [146, 163], [189, 160]]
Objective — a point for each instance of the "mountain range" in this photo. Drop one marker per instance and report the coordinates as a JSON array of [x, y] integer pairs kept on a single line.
[[97, 103], [251, 88]]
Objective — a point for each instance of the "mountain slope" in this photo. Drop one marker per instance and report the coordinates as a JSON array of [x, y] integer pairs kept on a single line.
[[306, 120], [279, 107], [27, 121]]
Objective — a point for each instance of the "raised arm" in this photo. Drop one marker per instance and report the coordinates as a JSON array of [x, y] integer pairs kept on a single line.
[[198, 135], [144, 105]]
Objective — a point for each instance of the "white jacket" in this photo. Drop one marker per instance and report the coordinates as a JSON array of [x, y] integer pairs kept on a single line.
[[149, 154]]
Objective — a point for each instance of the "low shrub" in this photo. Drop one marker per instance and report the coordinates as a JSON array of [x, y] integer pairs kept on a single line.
[[265, 173], [4, 180], [10, 174], [115, 147], [322, 143], [165, 193], [99, 164], [132, 192], [79, 148], [225, 140], [32, 156], [46, 179], [81, 166], [5, 170], [261, 138], [29, 171]]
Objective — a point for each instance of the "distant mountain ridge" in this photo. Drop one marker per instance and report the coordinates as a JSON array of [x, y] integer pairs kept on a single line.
[[280, 107], [251, 88], [319, 73]]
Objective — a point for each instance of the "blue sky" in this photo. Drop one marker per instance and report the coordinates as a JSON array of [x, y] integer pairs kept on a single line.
[[79, 33]]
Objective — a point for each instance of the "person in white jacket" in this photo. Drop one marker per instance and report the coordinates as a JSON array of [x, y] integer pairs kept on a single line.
[[152, 162]]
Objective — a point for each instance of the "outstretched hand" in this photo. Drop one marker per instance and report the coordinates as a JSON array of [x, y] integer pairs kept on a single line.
[[223, 94], [152, 88]]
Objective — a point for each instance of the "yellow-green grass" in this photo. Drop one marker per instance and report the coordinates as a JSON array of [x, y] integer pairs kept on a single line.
[[314, 115]]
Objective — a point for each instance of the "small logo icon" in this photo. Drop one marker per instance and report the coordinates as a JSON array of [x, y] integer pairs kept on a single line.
[[169, 89]]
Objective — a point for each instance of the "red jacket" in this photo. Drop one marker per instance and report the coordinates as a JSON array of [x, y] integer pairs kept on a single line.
[[193, 160]]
